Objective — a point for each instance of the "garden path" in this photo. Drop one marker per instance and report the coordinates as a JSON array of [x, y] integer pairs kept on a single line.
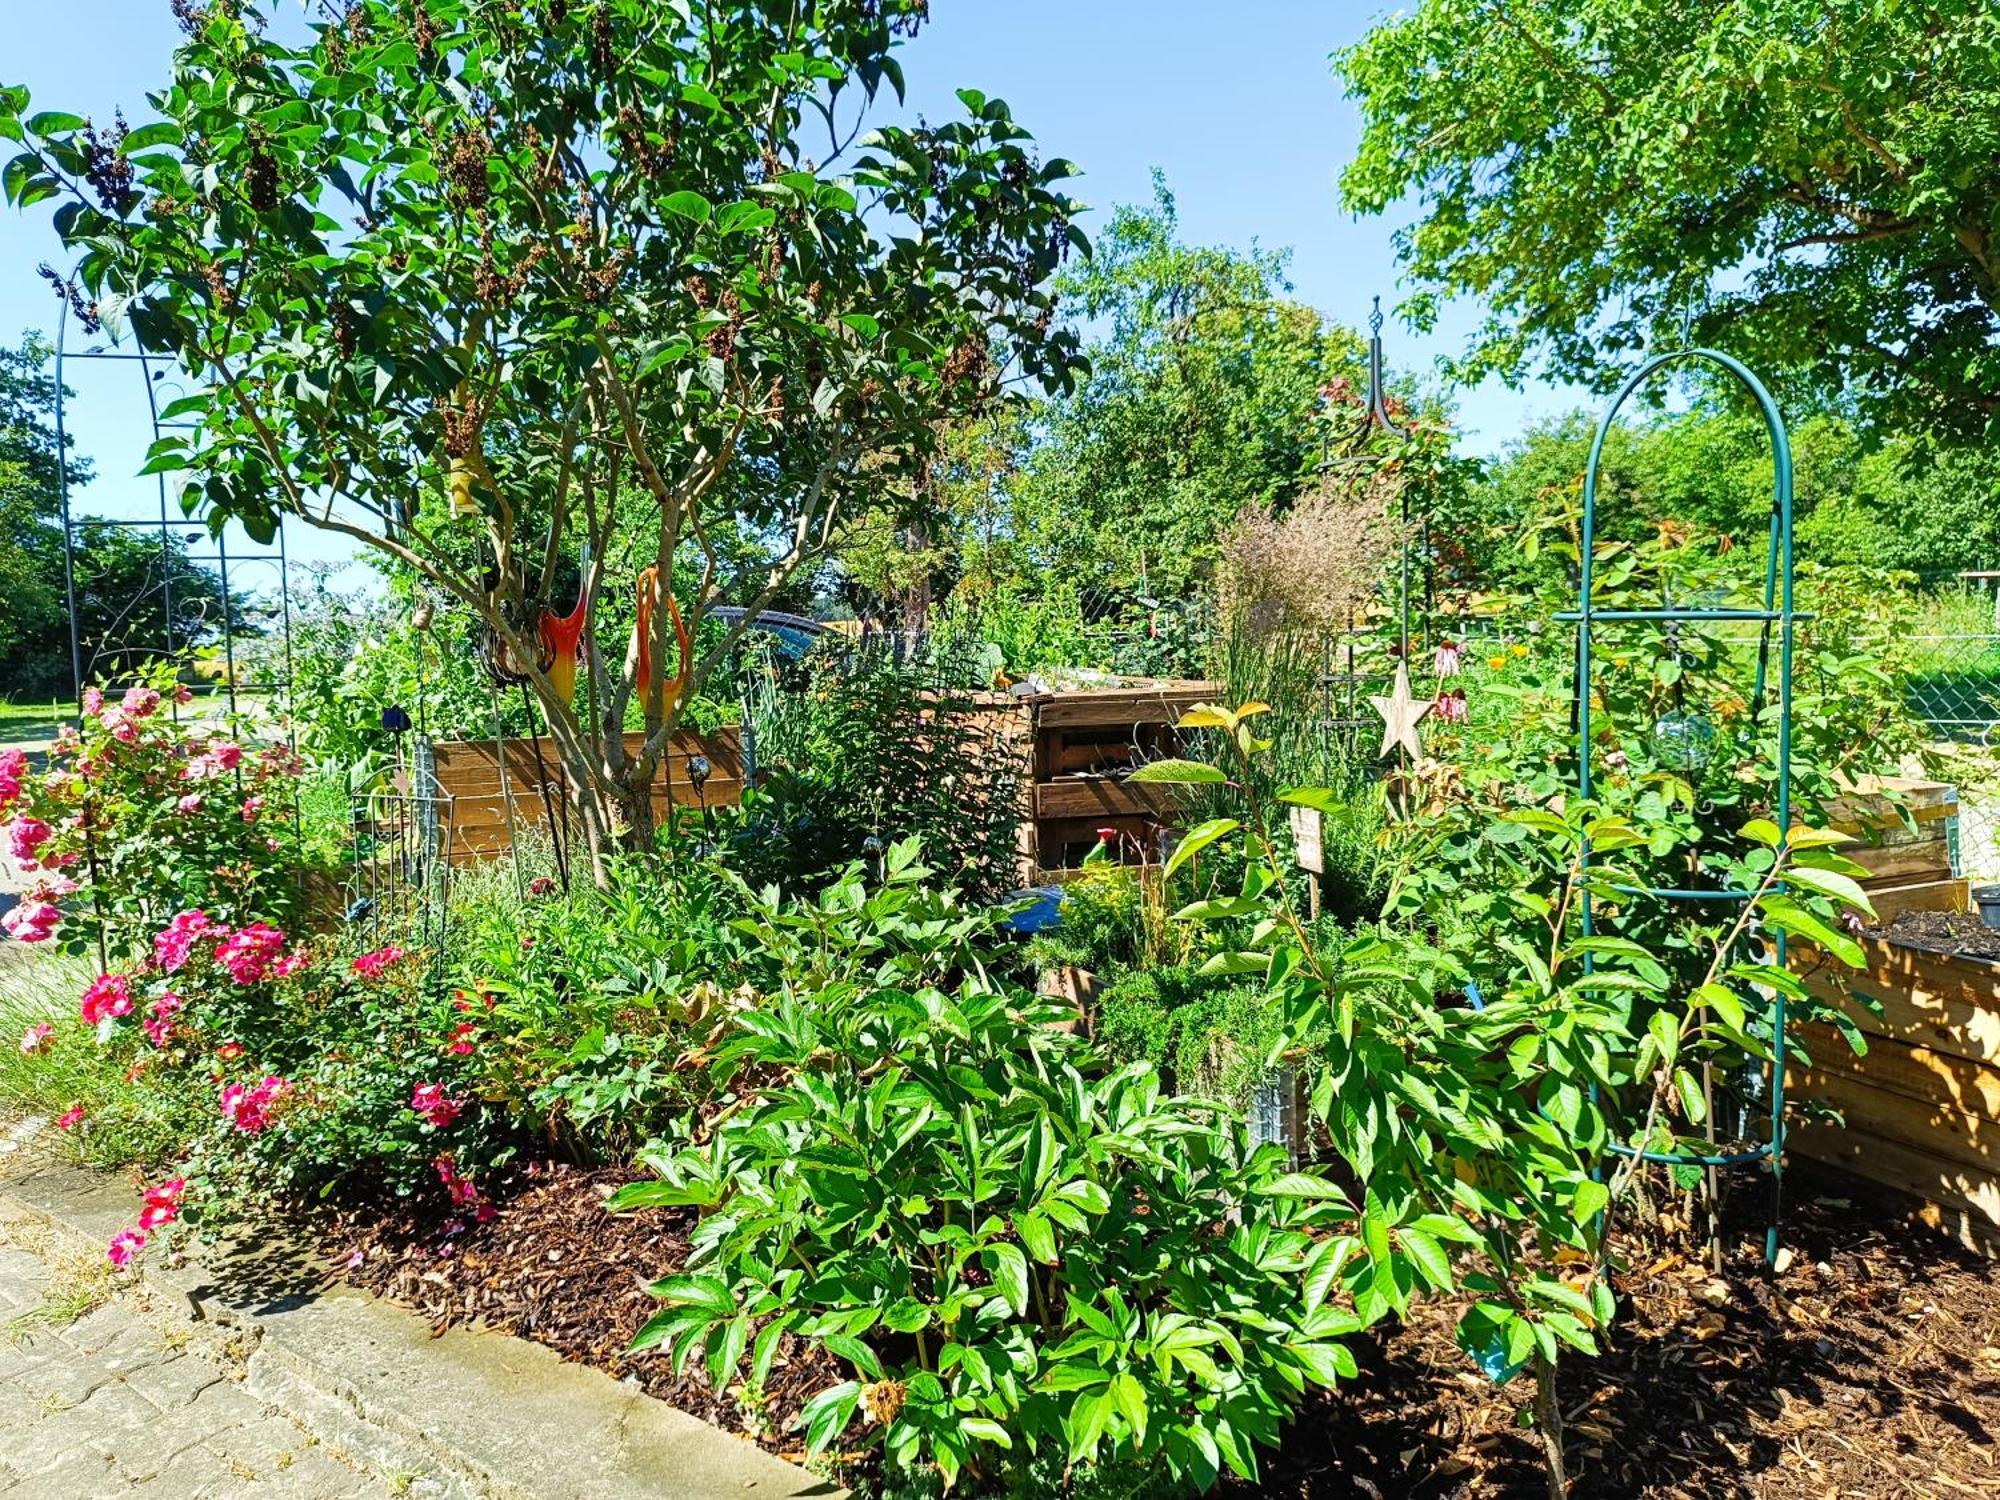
[[104, 1393]]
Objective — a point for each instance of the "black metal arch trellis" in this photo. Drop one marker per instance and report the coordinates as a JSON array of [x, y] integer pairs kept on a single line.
[[152, 371]]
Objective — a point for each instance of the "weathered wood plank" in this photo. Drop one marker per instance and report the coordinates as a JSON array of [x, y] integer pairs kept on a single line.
[[1908, 1169], [1915, 1072], [1933, 1127]]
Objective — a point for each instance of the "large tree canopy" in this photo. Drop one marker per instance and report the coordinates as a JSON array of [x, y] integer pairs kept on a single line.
[[1815, 182], [471, 279]]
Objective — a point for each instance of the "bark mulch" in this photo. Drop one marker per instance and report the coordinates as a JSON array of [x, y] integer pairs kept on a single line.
[[1868, 1367]]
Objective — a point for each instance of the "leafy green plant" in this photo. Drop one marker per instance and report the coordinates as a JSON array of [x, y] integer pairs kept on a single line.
[[1011, 1249], [1478, 1125]]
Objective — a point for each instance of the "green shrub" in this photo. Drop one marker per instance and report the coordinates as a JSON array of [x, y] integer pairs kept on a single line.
[[1015, 1251]]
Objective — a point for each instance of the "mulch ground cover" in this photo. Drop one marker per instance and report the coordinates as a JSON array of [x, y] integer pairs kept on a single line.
[[1868, 1367]]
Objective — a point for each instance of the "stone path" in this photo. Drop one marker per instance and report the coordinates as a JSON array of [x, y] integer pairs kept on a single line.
[[104, 1393]]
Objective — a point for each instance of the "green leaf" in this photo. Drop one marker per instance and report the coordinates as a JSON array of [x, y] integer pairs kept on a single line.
[[53, 122], [1318, 798], [1692, 1102], [1179, 773], [1010, 1274], [689, 205], [1302, 1185], [986, 1430], [1789, 916], [826, 1416], [1130, 1398], [1428, 1256], [1197, 839], [1838, 887], [1590, 1199], [1038, 1235]]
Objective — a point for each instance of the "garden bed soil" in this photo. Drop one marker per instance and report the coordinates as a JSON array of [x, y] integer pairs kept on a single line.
[[1869, 1367], [1956, 932]]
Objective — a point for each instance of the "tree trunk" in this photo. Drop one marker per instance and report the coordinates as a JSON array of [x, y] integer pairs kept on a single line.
[[1548, 1418]]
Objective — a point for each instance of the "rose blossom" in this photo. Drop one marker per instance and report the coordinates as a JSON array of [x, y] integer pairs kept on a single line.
[[93, 701], [253, 807], [31, 921], [249, 952], [429, 1101], [13, 771], [160, 1024], [374, 965], [124, 1245], [163, 1204], [108, 998], [36, 1038], [25, 837], [70, 1118], [248, 1108], [189, 805], [140, 702], [172, 945]]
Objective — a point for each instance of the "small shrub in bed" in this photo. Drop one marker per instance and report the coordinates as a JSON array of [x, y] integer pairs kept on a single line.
[[1014, 1250]]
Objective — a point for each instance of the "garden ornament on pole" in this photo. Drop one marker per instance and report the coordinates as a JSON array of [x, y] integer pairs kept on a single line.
[[1688, 735]]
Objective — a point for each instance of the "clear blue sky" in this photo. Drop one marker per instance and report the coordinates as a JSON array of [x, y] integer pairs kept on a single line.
[[1236, 104]]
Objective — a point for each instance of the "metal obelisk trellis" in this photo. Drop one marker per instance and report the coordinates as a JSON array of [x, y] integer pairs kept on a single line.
[[1776, 618]]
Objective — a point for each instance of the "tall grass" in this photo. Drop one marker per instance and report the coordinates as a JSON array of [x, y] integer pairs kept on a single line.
[[126, 1120]]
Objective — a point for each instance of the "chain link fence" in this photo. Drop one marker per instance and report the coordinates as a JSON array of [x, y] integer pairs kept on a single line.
[[1953, 685]]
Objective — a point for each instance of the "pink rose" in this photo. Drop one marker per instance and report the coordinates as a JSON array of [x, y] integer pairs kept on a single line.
[[375, 965], [249, 1108], [70, 1118], [429, 1101], [189, 805], [31, 921], [172, 946], [25, 837], [109, 998], [124, 1245], [140, 702], [93, 701], [252, 807], [36, 1038], [249, 952]]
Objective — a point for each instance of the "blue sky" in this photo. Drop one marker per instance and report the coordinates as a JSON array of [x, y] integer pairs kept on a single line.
[[1236, 104]]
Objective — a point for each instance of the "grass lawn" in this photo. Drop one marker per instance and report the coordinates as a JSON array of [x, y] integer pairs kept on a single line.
[[26, 721]]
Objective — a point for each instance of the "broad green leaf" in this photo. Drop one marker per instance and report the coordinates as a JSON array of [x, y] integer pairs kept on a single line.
[[1197, 839], [1179, 773]]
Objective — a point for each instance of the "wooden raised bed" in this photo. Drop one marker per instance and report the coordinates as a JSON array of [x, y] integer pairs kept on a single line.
[[1081, 742], [1922, 1106], [475, 798]]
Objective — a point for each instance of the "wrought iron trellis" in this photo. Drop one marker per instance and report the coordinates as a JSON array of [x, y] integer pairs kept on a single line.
[[1777, 617], [152, 369]]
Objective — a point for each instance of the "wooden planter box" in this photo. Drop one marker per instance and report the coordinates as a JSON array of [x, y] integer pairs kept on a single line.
[[1922, 1106], [473, 797]]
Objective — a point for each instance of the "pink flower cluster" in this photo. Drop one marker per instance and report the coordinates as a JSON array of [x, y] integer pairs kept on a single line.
[[248, 1106], [250, 953], [375, 965], [173, 944], [162, 1207], [1451, 707], [13, 771], [32, 920], [36, 1038], [109, 998], [464, 1193], [220, 758], [25, 837], [430, 1101], [159, 1023]]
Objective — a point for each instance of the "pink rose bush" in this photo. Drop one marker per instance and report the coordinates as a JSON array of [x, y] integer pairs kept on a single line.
[[129, 785]]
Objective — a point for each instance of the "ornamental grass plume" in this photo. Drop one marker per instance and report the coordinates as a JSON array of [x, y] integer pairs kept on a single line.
[[1314, 564]]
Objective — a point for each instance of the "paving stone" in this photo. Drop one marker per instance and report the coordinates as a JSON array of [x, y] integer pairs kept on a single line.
[[175, 1379], [82, 1476]]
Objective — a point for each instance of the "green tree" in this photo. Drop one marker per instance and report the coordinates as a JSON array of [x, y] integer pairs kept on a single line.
[[31, 593], [449, 269], [1205, 383], [1816, 181]]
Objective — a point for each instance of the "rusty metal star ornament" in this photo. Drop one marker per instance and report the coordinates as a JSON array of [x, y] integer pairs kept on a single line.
[[1401, 714]]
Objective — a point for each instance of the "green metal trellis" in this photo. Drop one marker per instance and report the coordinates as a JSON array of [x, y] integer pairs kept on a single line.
[[1776, 617]]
